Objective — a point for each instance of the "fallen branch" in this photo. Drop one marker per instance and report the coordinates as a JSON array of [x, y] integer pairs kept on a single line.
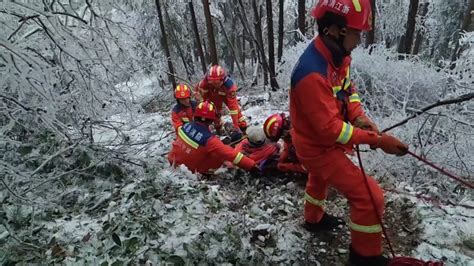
[[462, 98], [188, 82]]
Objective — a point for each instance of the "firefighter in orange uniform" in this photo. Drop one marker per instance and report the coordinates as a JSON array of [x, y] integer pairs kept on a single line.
[[219, 88], [276, 127], [183, 110], [200, 150], [327, 120]]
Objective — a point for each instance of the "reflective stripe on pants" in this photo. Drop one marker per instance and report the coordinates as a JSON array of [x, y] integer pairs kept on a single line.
[[333, 168]]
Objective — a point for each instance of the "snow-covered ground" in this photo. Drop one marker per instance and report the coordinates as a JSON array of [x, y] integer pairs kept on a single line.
[[234, 219], [163, 215]]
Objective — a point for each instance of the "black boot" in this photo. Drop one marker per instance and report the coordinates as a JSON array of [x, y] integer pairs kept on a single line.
[[328, 222], [356, 259]]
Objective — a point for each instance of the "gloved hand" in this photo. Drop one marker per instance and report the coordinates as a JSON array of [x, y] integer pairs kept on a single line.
[[364, 122], [391, 145], [243, 126], [236, 135]]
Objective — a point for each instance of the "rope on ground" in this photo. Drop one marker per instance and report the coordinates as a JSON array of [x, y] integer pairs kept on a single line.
[[459, 179], [435, 201]]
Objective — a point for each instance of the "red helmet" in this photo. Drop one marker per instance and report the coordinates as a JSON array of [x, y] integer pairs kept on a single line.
[[358, 13], [182, 91], [216, 72], [275, 125], [206, 110]]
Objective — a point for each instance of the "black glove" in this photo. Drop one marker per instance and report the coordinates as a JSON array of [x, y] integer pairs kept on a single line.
[[235, 136]]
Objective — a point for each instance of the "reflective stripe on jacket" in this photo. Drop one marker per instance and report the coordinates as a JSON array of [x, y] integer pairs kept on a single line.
[[316, 104], [182, 114], [200, 150]]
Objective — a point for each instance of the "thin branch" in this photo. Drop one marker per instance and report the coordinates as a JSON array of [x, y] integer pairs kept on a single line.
[[57, 177], [54, 156], [13, 192], [17, 103], [69, 15], [462, 98], [17, 239], [231, 47], [180, 78]]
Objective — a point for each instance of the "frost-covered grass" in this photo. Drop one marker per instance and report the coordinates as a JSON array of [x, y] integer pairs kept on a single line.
[[157, 214]]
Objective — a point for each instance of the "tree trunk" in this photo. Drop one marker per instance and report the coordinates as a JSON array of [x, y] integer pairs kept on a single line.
[[229, 42], [197, 39], [371, 34], [259, 39], [271, 48], [164, 43], [420, 33], [177, 43], [301, 16], [466, 22], [244, 54], [280, 29], [406, 45], [247, 34], [210, 33]]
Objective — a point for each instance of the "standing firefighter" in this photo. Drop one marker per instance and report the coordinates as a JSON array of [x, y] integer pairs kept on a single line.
[[183, 110], [219, 88], [199, 149], [328, 119]]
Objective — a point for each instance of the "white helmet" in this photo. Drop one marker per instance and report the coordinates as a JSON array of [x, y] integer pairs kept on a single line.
[[256, 136]]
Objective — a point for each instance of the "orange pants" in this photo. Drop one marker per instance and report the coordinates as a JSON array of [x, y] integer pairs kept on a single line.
[[333, 168]]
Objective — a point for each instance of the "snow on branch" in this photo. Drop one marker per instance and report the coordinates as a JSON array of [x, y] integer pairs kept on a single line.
[[462, 98]]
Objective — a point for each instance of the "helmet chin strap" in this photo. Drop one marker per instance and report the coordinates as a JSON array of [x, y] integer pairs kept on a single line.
[[339, 41]]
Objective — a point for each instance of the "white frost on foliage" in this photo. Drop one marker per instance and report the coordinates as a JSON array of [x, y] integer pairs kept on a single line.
[[139, 89], [445, 229]]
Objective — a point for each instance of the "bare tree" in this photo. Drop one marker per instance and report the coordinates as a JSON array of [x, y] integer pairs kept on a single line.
[[257, 10], [233, 50], [271, 48], [464, 27], [421, 30], [210, 33], [197, 39], [164, 43], [280, 29], [371, 34], [301, 16], [407, 40], [177, 44]]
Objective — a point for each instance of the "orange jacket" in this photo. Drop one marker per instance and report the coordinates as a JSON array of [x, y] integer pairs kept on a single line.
[[201, 151], [181, 114], [318, 89], [288, 161], [258, 154], [225, 94]]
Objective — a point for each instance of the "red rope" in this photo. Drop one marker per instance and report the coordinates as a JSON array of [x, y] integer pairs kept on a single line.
[[407, 261], [462, 181], [379, 215], [426, 198]]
